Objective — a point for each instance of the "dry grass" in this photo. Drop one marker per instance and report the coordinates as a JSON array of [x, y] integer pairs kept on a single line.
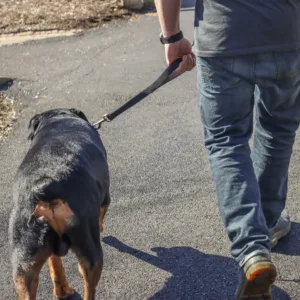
[[31, 15], [7, 116]]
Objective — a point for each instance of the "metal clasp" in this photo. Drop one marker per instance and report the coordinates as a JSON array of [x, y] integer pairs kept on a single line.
[[98, 124]]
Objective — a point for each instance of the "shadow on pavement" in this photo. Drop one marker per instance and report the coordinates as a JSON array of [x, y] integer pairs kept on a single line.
[[195, 275], [75, 296], [5, 83], [290, 245], [188, 3]]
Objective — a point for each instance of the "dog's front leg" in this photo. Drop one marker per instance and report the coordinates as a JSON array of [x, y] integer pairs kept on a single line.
[[103, 210]]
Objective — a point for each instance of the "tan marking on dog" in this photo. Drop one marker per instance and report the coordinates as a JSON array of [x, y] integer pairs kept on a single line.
[[57, 214], [21, 289], [91, 276], [26, 284], [103, 210], [62, 288]]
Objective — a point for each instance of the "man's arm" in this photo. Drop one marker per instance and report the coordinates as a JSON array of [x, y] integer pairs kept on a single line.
[[168, 15]]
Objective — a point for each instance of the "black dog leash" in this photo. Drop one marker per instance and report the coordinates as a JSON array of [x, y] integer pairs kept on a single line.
[[164, 78]]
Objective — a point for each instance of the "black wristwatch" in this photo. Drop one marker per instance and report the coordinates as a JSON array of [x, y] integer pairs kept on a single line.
[[171, 39]]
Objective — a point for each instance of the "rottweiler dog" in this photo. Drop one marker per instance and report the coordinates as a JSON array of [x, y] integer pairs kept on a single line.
[[60, 195]]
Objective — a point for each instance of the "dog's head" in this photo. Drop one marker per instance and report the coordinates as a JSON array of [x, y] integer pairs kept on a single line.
[[35, 121]]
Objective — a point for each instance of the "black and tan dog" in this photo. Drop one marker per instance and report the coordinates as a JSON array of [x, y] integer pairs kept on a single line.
[[61, 194]]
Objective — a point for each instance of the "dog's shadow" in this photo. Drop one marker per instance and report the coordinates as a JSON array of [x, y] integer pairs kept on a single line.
[[195, 275]]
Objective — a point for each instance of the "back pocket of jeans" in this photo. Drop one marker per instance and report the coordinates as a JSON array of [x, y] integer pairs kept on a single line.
[[215, 73]]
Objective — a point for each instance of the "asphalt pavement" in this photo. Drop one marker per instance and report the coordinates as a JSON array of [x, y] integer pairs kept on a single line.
[[163, 237]]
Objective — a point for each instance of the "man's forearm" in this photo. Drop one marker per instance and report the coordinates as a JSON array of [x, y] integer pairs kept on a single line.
[[168, 15]]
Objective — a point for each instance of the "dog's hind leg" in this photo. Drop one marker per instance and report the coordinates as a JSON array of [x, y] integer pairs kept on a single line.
[[90, 268], [62, 288], [26, 274], [91, 276]]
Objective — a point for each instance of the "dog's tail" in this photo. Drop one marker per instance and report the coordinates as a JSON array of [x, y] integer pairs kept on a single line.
[[61, 219]]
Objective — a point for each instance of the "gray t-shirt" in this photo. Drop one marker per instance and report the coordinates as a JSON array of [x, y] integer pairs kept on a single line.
[[238, 27]]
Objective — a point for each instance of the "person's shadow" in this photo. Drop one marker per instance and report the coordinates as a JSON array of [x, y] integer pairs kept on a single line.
[[195, 275], [290, 245]]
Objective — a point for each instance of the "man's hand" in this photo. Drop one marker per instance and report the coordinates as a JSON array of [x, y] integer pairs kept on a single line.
[[182, 48], [168, 15]]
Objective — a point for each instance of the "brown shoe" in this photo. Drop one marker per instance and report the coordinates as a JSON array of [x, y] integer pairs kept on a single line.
[[256, 277]]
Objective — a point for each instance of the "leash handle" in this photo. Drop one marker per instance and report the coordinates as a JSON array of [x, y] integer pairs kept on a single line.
[[167, 76]]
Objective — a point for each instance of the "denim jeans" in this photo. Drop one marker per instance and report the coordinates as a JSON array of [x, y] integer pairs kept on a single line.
[[241, 95]]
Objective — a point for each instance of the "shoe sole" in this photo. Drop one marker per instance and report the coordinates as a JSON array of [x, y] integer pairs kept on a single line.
[[259, 278], [279, 235]]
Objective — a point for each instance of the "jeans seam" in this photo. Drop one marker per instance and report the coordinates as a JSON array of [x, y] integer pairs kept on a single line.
[[253, 69], [288, 50], [277, 66], [232, 64]]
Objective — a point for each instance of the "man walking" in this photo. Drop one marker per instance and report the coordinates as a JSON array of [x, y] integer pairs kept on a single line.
[[248, 61]]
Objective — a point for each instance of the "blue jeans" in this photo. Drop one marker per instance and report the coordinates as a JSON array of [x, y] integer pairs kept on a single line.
[[237, 94]]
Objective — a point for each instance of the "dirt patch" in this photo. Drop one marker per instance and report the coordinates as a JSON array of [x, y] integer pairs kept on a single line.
[[7, 116], [42, 15]]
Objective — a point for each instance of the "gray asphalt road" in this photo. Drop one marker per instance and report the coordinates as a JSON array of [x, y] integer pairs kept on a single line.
[[163, 236]]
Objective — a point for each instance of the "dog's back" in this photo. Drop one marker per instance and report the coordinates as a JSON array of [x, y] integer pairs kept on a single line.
[[59, 189], [67, 161]]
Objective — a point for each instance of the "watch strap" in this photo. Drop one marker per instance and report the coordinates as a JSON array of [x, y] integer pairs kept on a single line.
[[171, 39]]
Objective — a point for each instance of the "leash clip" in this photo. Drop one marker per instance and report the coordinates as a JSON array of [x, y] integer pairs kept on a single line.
[[98, 124]]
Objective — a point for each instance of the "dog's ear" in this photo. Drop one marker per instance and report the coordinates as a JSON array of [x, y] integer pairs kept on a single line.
[[78, 113], [33, 125]]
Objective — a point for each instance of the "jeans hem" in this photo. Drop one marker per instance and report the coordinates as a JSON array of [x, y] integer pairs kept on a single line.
[[252, 254]]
